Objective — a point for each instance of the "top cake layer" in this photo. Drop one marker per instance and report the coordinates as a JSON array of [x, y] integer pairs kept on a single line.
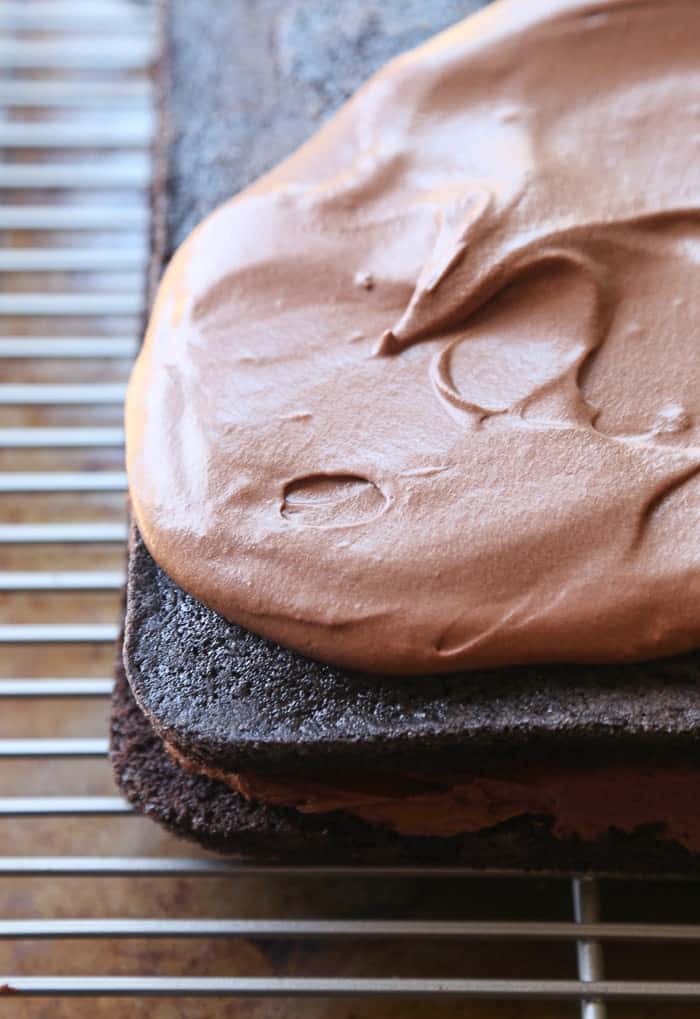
[[425, 396]]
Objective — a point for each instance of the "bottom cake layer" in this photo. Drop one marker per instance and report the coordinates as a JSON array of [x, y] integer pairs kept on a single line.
[[210, 812], [580, 801]]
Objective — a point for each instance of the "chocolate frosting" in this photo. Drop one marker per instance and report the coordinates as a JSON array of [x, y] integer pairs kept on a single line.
[[584, 802], [425, 397]]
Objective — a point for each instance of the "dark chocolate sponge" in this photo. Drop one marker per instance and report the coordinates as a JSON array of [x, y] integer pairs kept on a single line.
[[242, 88], [218, 818], [224, 695]]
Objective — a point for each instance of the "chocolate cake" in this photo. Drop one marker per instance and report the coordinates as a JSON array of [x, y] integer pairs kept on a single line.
[[273, 739]]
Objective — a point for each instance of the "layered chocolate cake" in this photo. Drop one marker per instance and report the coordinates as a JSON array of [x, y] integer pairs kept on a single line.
[[413, 440]]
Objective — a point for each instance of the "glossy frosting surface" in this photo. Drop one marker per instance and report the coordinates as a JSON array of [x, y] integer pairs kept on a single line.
[[426, 397]]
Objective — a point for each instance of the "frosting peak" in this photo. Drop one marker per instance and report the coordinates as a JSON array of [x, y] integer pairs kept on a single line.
[[426, 397]]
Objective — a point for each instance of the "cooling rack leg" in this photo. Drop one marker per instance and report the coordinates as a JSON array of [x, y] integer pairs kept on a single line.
[[589, 954]]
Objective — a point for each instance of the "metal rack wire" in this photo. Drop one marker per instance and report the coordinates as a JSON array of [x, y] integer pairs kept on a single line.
[[63, 63]]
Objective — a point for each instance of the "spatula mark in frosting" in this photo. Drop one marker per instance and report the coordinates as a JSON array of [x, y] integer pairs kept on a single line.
[[493, 369], [680, 486], [331, 500], [648, 336], [461, 633], [543, 375], [458, 218]]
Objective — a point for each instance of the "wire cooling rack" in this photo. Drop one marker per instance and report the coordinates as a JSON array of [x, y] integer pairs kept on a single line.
[[76, 125]]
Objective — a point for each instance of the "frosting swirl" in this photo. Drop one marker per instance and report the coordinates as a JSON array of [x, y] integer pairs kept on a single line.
[[426, 396]]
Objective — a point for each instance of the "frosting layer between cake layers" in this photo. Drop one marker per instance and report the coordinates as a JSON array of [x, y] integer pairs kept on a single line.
[[426, 396], [584, 802]]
